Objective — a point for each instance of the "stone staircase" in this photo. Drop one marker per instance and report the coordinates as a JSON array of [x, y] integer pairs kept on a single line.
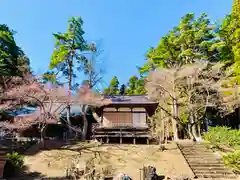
[[204, 162]]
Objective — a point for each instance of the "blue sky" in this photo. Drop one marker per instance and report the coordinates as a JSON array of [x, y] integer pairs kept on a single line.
[[126, 28]]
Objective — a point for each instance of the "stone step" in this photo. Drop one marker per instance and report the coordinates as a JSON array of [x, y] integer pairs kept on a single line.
[[193, 147], [215, 176], [210, 169], [201, 156], [197, 152], [206, 171], [204, 162], [196, 148], [193, 151], [206, 165]]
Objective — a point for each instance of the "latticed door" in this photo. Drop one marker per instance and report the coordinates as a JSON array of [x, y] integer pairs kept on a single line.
[[118, 118], [139, 119]]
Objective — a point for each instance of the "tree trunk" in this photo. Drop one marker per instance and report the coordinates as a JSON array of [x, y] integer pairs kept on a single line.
[[199, 130], [42, 136], [191, 124], [69, 121], [69, 96], [85, 122], [167, 125], [85, 127], [189, 130], [174, 121], [194, 132]]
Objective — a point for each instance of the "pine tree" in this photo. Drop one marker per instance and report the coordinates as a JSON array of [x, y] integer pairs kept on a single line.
[[122, 89]]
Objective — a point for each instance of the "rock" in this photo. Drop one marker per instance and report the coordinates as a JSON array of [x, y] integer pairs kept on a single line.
[[119, 176], [122, 176]]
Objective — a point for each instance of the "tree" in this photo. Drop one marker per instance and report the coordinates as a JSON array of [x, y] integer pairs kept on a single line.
[[185, 93], [69, 47], [106, 91], [49, 101], [132, 85], [94, 74], [9, 51], [161, 87], [45, 99], [140, 86], [88, 101], [51, 77], [113, 87], [13, 61], [227, 43], [122, 89], [235, 27], [92, 68], [136, 86], [189, 41]]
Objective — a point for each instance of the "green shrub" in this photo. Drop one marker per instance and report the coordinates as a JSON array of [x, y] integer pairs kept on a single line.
[[233, 160], [226, 136], [16, 159], [13, 164]]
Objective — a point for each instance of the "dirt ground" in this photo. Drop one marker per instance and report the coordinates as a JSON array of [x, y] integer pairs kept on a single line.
[[128, 159]]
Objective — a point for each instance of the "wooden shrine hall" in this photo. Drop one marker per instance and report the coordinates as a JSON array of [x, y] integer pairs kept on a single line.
[[125, 118]]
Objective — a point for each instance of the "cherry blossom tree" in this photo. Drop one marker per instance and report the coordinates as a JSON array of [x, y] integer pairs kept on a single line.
[[185, 93], [50, 100]]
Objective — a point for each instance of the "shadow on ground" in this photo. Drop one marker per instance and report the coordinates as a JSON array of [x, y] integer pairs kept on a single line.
[[35, 176], [53, 145]]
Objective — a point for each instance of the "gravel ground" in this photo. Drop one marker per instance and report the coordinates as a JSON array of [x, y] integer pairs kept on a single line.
[[122, 158]]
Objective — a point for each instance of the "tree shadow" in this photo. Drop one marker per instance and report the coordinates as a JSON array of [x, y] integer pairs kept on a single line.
[[159, 177], [23, 174], [50, 145], [37, 176]]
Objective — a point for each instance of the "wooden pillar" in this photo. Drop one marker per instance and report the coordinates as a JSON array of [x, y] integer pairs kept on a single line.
[[120, 136], [107, 139], [147, 141], [134, 136], [102, 110], [101, 140]]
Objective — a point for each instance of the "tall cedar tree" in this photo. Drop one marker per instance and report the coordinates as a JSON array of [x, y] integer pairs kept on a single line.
[[69, 52]]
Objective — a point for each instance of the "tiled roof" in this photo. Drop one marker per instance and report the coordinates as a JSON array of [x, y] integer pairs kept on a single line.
[[126, 99]]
